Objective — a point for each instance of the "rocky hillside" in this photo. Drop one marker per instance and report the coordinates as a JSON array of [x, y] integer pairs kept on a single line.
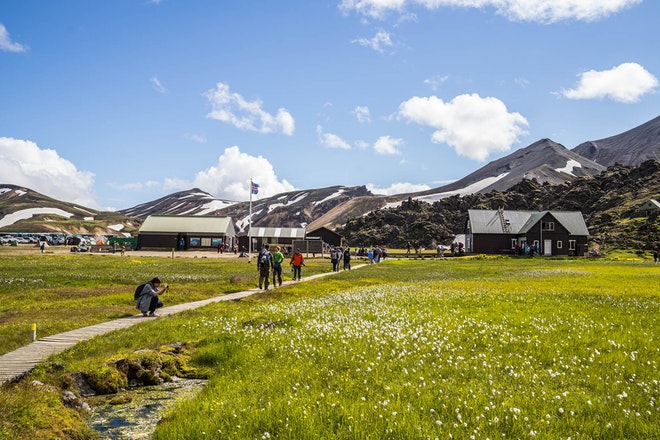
[[609, 202], [301, 208], [632, 147], [190, 202], [543, 175], [544, 161], [24, 210]]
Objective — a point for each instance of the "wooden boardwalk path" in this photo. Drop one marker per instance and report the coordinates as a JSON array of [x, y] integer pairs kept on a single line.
[[16, 364]]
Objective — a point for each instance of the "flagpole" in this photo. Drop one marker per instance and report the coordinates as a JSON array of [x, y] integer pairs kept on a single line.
[[250, 227]]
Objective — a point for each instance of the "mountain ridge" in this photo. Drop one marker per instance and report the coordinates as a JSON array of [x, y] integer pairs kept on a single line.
[[610, 203], [25, 210], [632, 147], [545, 162]]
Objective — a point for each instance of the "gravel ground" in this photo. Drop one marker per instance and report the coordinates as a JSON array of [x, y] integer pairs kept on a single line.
[[27, 249]]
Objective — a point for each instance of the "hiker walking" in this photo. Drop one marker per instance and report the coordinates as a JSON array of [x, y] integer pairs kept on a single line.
[[264, 265], [297, 261], [335, 256], [278, 258], [347, 258]]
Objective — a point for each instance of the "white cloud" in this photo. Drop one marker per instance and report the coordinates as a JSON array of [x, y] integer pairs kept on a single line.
[[550, 11], [475, 127], [362, 145], [362, 114], [6, 44], [196, 138], [24, 163], [388, 145], [232, 108], [137, 186], [522, 82], [397, 188], [377, 42], [627, 82], [436, 81], [230, 177], [331, 140], [157, 85], [543, 11]]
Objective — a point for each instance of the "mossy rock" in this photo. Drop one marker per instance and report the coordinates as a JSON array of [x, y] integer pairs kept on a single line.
[[142, 367], [106, 380]]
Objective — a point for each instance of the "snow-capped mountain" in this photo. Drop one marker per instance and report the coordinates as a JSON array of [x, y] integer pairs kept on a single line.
[[542, 161], [190, 202], [25, 210]]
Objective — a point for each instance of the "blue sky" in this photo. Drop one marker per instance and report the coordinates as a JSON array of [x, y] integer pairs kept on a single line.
[[115, 103]]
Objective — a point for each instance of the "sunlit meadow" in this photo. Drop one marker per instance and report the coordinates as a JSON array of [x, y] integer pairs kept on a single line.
[[531, 351], [480, 348]]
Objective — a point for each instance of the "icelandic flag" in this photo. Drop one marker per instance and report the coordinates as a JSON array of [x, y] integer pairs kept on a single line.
[[255, 188]]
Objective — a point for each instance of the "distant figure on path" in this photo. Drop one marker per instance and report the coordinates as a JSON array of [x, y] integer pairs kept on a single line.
[[264, 265], [347, 258], [149, 299], [297, 261], [278, 258], [335, 256]]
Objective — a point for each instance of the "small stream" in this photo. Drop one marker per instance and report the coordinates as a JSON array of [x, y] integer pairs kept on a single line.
[[138, 418]]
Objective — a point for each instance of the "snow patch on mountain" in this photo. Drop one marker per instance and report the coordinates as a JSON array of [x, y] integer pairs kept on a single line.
[[212, 206], [570, 165], [330, 197], [290, 202], [393, 204], [24, 214], [470, 189]]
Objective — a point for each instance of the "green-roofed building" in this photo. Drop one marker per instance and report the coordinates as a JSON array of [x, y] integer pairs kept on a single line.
[[186, 232]]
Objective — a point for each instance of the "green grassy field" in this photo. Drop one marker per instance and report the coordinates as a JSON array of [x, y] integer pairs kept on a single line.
[[64, 292], [456, 348]]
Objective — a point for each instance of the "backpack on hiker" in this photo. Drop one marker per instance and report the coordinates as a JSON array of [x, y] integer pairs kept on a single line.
[[138, 291], [264, 259]]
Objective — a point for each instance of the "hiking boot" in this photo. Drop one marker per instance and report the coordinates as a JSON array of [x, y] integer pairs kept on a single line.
[[144, 313], [154, 315]]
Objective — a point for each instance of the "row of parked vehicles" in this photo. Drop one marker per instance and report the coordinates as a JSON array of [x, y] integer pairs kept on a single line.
[[52, 239]]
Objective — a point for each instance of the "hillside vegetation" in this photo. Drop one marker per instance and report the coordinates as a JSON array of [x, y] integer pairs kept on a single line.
[[609, 202]]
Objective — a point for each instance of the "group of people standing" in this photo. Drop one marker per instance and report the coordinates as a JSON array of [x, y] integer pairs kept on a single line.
[[376, 254], [339, 255], [267, 262]]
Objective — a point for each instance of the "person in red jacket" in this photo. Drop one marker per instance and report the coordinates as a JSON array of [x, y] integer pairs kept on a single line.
[[297, 261]]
